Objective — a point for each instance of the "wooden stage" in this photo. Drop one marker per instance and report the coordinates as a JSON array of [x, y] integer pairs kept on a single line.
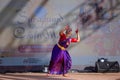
[[71, 76]]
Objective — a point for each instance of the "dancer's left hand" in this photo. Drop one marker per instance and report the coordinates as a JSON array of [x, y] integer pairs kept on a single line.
[[76, 31]]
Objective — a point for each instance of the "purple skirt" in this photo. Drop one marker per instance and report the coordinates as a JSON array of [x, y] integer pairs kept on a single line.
[[60, 61]]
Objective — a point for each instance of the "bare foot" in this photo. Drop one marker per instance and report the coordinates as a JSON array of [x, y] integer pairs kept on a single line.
[[65, 75], [48, 74]]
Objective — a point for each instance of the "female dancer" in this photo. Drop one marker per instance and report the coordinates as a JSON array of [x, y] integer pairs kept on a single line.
[[60, 61]]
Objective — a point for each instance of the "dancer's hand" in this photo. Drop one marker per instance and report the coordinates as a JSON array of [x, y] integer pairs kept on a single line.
[[76, 30], [67, 27]]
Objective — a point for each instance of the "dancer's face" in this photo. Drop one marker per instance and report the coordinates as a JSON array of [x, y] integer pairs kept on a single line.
[[69, 34]]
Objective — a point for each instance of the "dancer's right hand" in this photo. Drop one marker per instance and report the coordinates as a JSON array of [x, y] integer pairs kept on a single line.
[[67, 27]]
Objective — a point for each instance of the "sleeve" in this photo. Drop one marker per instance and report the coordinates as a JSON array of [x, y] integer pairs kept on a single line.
[[73, 40]]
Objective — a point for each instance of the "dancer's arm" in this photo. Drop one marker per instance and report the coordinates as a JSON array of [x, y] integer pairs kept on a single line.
[[63, 30], [62, 34], [76, 39]]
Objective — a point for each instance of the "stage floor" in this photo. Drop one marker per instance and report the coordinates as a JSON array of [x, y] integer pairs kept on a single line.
[[71, 76]]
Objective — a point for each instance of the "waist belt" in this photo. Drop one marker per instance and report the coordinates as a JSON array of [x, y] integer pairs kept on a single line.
[[61, 47]]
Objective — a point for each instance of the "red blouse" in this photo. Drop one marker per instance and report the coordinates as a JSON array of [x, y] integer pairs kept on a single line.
[[63, 37]]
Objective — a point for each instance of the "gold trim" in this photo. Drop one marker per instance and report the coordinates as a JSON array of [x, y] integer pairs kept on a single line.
[[62, 48]]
